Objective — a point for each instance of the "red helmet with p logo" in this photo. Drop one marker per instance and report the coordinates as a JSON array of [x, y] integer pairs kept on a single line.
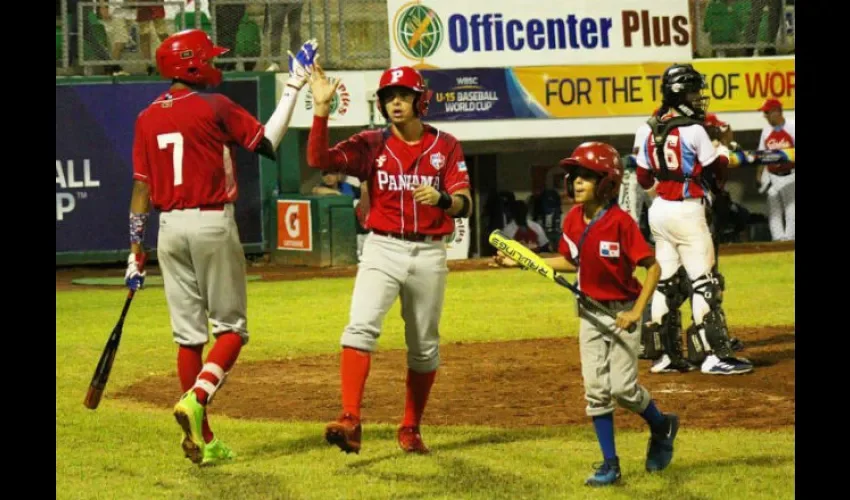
[[187, 56], [409, 78]]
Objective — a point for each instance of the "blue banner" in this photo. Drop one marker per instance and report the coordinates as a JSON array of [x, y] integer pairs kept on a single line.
[[477, 94], [94, 164]]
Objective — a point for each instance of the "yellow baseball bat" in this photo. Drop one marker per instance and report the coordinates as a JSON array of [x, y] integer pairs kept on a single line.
[[527, 259]]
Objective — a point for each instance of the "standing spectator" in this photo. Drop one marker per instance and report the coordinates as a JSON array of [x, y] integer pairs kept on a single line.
[[117, 19], [724, 25], [778, 179], [151, 21], [227, 18], [278, 13], [774, 13], [99, 52]]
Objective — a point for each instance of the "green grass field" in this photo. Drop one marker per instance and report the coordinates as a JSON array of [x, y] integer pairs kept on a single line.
[[129, 451]]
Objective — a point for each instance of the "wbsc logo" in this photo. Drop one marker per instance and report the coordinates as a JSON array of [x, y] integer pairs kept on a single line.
[[418, 31], [339, 102]]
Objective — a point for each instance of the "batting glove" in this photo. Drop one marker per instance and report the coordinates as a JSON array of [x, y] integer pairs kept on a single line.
[[301, 64], [134, 277]]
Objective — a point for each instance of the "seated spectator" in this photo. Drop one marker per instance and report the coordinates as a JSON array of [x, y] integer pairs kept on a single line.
[[524, 230], [336, 183]]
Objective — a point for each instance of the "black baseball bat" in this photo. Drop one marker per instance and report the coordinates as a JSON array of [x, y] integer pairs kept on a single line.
[[107, 357]]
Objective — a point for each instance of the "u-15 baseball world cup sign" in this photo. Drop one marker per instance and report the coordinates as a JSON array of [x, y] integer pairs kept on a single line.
[[501, 33]]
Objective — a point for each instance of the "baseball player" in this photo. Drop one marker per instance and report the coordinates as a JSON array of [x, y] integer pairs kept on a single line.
[[418, 182], [717, 215], [603, 244], [778, 178], [183, 166], [676, 153]]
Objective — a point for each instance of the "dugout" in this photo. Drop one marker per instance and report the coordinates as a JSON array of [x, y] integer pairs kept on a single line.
[[527, 166]]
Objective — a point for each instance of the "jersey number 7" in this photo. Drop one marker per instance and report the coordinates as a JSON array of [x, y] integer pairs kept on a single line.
[[175, 138]]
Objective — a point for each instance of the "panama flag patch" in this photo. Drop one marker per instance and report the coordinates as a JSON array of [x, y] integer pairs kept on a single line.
[[609, 249]]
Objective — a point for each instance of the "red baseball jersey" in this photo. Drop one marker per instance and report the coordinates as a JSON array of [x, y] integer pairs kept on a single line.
[[184, 148], [608, 255], [393, 169], [781, 137]]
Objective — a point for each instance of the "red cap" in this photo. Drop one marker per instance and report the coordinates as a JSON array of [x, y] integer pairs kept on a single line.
[[770, 105], [712, 120]]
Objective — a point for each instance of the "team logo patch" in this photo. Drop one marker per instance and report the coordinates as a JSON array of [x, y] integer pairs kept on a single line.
[[438, 160], [461, 166], [609, 249], [381, 160]]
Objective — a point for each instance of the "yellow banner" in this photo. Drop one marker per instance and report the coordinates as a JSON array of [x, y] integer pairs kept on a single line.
[[635, 89]]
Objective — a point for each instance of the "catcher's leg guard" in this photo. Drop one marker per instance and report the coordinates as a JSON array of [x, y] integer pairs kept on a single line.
[[658, 337], [711, 334], [671, 340], [650, 341]]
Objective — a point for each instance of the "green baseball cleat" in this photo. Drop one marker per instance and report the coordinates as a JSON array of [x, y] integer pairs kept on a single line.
[[216, 452], [189, 414]]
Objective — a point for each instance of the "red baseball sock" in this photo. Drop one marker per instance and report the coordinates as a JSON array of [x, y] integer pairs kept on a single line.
[[418, 389], [189, 364], [220, 360], [354, 369]]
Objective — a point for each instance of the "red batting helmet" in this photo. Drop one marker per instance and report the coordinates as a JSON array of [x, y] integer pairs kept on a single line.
[[187, 56], [601, 159], [409, 78]]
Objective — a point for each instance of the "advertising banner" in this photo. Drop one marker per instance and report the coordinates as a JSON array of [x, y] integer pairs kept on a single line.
[[95, 123], [352, 105], [507, 33], [294, 225], [601, 90]]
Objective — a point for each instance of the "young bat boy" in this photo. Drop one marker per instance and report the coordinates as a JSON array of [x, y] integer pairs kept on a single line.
[[604, 244]]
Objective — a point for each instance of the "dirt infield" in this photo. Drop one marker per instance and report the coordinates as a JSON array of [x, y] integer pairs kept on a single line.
[[504, 384], [274, 272]]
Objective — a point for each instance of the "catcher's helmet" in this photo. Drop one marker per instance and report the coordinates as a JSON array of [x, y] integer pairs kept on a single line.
[[409, 78], [677, 82], [600, 158], [187, 56]]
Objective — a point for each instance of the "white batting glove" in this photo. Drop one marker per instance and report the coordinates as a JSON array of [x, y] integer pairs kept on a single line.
[[301, 64], [134, 276]]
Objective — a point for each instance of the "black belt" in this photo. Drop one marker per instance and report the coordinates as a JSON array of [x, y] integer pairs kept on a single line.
[[782, 174], [215, 207], [408, 236]]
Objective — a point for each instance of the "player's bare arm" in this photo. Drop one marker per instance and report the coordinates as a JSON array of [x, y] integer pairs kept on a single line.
[[323, 90], [559, 263], [653, 273]]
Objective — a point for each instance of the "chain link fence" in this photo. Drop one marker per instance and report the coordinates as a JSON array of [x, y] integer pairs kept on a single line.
[[120, 36], [741, 28]]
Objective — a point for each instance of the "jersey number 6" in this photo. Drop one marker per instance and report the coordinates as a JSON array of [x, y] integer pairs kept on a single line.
[[176, 138], [669, 155]]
